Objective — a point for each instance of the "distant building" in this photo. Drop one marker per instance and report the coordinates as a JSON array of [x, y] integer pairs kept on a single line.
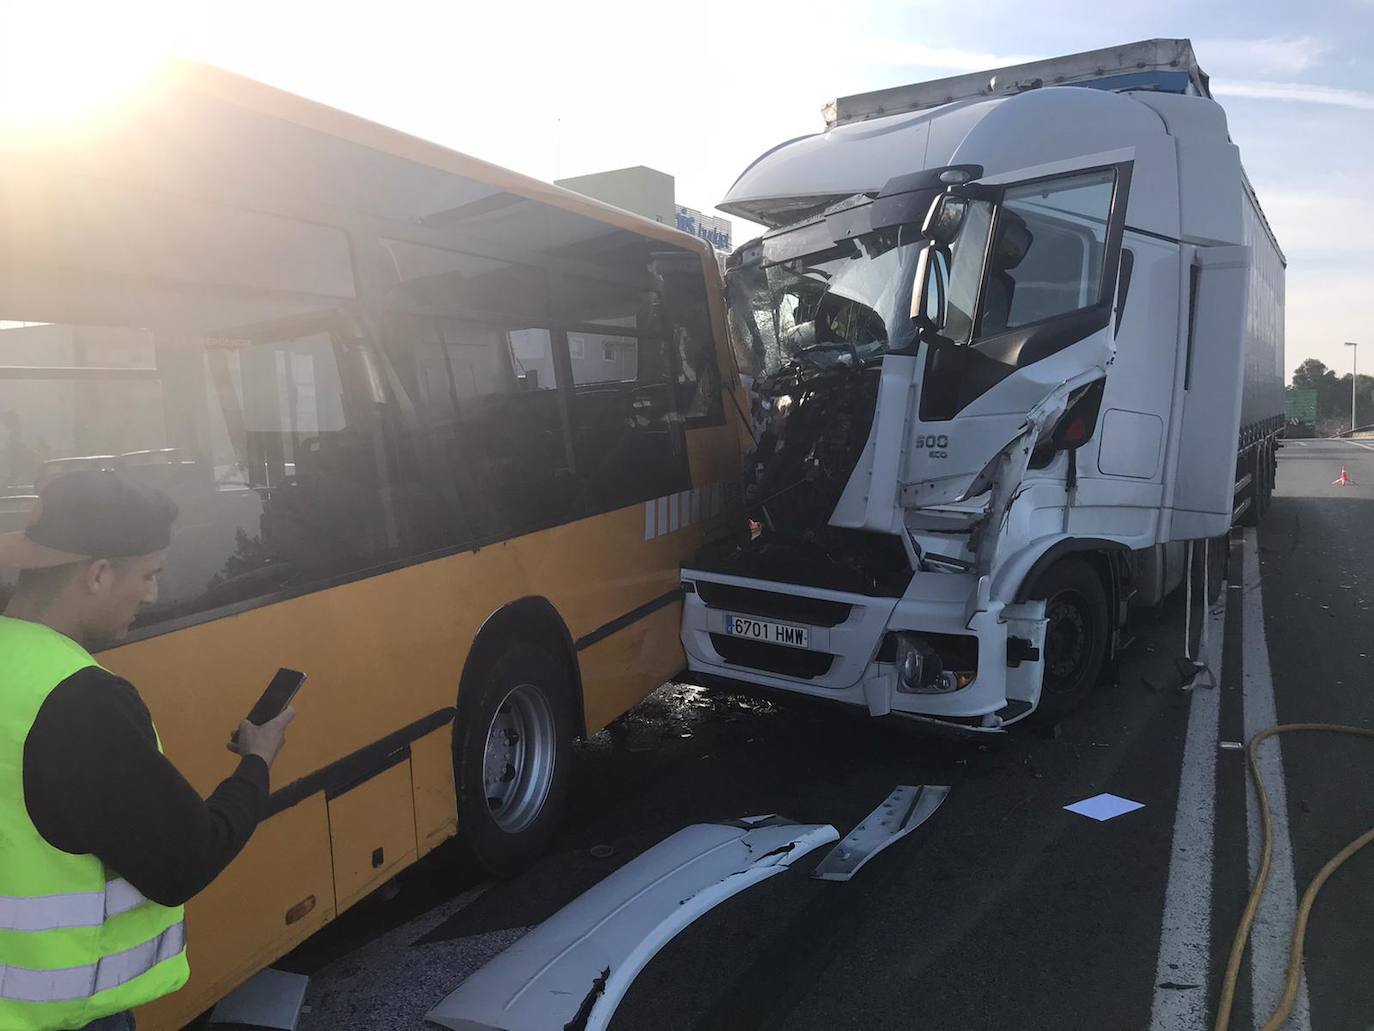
[[645, 191], [651, 193]]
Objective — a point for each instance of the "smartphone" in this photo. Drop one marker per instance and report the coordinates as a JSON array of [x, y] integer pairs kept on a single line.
[[277, 696]]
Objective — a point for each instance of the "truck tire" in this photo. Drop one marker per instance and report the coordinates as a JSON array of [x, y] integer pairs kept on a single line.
[[1254, 493], [513, 737], [1075, 637]]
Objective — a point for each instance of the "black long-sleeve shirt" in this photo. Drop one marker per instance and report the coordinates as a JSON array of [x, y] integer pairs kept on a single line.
[[95, 783]]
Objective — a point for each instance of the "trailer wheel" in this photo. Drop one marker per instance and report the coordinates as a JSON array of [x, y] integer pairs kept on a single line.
[[1254, 493], [513, 739], [1075, 637]]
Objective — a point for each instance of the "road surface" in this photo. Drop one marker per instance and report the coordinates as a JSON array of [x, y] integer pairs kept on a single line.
[[1004, 910]]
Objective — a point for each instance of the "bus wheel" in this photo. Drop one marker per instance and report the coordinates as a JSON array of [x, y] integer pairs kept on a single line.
[[513, 740], [1075, 637]]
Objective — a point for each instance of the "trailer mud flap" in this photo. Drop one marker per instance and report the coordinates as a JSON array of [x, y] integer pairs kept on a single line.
[[573, 969]]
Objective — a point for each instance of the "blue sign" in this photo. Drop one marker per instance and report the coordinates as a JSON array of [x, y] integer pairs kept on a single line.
[[715, 231]]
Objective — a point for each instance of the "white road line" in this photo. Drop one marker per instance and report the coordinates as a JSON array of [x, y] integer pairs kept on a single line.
[[1186, 934], [1367, 447], [1274, 923]]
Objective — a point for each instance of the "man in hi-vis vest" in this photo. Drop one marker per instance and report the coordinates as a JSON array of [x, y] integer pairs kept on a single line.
[[102, 841]]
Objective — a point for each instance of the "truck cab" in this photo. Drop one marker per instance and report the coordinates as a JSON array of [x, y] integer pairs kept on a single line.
[[1013, 346]]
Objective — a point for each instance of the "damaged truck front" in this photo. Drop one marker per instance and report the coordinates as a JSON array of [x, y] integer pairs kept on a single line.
[[972, 453]]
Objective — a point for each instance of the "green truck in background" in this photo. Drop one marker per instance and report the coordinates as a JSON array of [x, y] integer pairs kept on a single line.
[[1300, 412]]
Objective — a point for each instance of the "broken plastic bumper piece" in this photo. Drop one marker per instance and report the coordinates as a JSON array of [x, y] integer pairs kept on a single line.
[[574, 968]]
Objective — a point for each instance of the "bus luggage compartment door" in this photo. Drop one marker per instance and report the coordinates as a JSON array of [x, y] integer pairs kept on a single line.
[[372, 831]]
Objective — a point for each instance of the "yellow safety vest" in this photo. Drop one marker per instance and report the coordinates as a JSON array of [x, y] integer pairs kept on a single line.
[[77, 942]]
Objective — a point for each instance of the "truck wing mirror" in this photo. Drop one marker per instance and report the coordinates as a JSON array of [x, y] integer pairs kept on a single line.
[[945, 218], [928, 289]]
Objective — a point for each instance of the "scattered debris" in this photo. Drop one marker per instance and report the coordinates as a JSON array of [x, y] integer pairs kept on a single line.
[[1233, 745], [575, 967], [270, 999], [1104, 807], [602, 851], [905, 809]]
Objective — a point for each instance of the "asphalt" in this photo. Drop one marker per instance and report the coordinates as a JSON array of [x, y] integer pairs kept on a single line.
[[1317, 561], [1003, 910]]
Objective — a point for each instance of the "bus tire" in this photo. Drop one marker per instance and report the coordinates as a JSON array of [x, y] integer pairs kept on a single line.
[[1076, 636], [513, 739]]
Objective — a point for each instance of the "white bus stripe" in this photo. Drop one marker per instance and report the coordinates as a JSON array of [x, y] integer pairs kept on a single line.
[[1186, 931], [1273, 928]]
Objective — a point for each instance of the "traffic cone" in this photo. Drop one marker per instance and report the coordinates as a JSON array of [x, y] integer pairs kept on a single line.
[[1344, 481]]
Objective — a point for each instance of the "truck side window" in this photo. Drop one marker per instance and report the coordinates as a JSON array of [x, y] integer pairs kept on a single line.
[[1048, 251]]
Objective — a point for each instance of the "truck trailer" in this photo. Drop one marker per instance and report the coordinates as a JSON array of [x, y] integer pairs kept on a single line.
[[1016, 341]]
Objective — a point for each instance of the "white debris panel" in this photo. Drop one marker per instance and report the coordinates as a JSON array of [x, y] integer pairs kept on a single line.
[[575, 967]]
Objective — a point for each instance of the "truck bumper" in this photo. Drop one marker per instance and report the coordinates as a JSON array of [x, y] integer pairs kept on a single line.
[[844, 659]]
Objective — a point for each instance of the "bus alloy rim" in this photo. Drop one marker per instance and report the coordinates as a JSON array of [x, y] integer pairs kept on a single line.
[[518, 760]]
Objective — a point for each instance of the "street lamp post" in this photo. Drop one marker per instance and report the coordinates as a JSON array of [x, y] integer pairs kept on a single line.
[[1354, 377]]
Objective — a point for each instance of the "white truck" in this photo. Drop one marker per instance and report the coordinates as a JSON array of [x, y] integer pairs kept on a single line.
[[1015, 338]]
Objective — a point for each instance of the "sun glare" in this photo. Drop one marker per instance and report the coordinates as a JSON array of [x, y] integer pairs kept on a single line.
[[63, 64]]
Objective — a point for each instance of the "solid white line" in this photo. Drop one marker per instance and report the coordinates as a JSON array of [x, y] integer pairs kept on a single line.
[[1274, 922], [1186, 933], [1367, 447]]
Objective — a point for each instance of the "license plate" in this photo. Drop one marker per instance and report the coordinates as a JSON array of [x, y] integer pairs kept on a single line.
[[767, 630]]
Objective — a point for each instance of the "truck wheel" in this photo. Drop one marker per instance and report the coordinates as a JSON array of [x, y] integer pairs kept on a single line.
[[1219, 559], [1075, 637], [1255, 492], [513, 740]]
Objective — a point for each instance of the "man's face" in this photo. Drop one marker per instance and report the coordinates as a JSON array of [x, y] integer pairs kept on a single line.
[[117, 590]]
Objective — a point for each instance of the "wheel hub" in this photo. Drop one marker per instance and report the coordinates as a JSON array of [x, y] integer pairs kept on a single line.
[[1067, 637], [518, 760]]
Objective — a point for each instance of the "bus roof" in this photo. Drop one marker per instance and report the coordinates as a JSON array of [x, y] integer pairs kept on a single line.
[[194, 78]]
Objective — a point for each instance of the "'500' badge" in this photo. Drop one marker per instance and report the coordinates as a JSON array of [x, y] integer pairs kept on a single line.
[[935, 442]]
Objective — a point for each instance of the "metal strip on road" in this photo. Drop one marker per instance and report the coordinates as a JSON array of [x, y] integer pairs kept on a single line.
[[1269, 940], [1181, 972], [905, 809]]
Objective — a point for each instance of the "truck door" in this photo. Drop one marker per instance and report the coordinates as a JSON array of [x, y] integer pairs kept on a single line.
[[1213, 374], [1030, 288]]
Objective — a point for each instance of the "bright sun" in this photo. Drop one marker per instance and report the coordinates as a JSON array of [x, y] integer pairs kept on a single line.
[[65, 61]]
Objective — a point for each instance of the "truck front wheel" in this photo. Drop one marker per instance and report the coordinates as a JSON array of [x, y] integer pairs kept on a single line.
[[1075, 637]]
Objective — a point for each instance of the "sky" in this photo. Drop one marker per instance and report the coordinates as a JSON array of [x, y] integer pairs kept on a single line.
[[699, 88]]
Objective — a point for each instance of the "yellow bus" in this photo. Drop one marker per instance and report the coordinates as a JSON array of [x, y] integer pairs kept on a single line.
[[440, 436]]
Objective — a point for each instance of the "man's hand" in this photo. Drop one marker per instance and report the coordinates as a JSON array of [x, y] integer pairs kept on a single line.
[[264, 741]]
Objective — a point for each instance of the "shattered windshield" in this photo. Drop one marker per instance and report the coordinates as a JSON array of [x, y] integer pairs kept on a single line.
[[839, 308]]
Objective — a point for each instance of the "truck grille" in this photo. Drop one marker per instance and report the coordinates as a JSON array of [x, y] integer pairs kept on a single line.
[[772, 658], [770, 604]]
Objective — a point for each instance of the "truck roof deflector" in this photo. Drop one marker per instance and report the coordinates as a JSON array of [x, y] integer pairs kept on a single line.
[[574, 968], [899, 814]]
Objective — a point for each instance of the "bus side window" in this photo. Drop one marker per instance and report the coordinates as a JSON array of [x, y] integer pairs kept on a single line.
[[627, 430], [688, 318]]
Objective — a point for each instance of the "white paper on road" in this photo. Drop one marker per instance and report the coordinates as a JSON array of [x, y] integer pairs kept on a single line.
[[1104, 807]]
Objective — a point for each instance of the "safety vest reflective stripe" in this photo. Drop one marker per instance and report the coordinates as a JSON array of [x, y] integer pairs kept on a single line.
[[83, 909], [22, 984]]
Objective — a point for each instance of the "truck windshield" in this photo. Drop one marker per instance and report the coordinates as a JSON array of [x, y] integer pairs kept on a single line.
[[835, 309]]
